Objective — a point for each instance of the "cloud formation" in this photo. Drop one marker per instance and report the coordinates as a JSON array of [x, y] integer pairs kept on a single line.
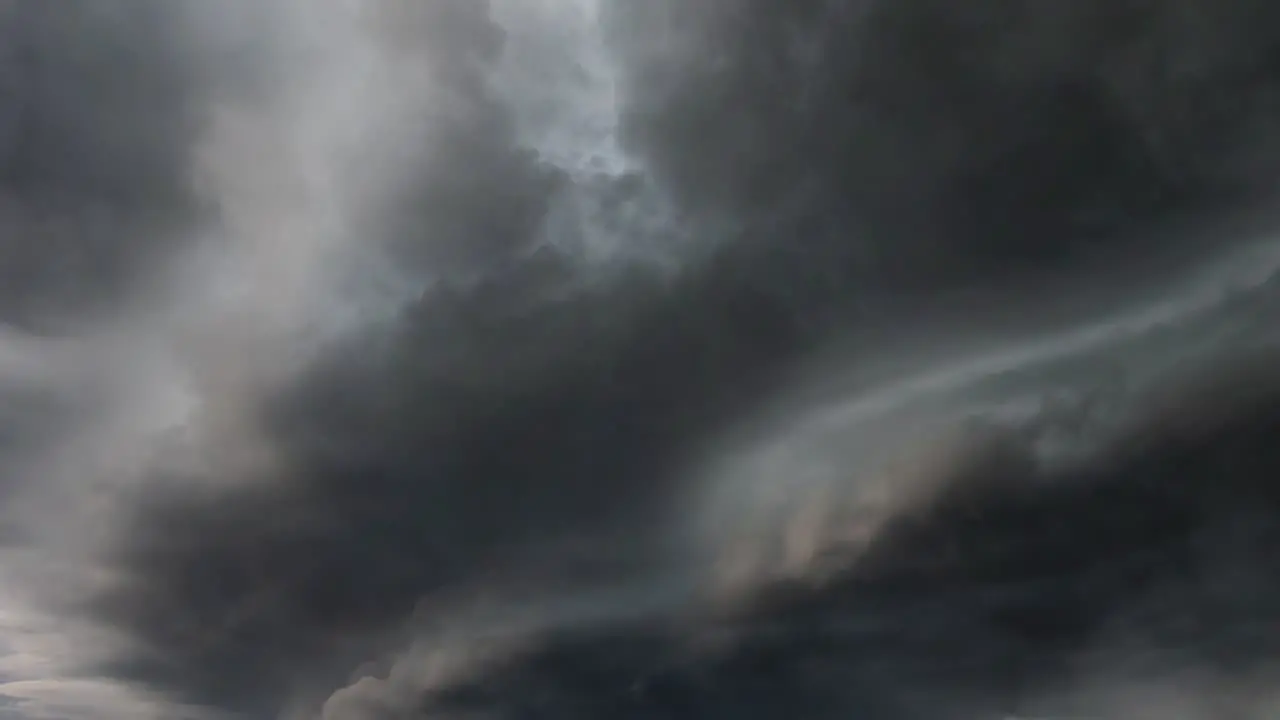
[[357, 346]]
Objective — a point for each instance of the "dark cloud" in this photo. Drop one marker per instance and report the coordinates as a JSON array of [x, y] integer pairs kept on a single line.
[[989, 598], [564, 442], [867, 163], [933, 145], [97, 121]]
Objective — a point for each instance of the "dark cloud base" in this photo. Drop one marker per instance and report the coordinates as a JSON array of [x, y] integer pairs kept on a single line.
[[987, 599], [877, 164]]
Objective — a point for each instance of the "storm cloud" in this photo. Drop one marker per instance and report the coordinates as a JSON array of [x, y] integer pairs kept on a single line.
[[373, 346]]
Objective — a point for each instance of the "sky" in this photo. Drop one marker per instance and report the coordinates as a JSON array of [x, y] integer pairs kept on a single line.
[[346, 346]]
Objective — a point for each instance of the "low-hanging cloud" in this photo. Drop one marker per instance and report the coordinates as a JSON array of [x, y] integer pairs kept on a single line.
[[370, 345]]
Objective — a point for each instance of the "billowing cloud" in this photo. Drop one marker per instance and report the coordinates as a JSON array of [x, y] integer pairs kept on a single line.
[[356, 351]]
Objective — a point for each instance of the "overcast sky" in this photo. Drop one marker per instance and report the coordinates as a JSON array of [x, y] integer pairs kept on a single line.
[[320, 319]]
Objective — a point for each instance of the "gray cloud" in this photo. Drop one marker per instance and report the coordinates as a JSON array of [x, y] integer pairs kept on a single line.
[[399, 307], [93, 143], [1112, 589], [932, 146]]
